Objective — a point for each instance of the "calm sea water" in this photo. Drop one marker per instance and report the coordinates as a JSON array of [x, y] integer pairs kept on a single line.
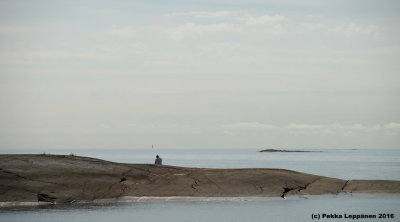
[[339, 163], [273, 209]]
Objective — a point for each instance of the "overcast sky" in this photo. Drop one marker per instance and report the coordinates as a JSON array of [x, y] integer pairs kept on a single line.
[[199, 74]]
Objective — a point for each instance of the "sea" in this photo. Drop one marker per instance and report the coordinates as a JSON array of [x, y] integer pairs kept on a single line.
[[367, 164]]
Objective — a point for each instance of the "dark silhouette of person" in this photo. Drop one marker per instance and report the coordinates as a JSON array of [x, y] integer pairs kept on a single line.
[[158, 160]]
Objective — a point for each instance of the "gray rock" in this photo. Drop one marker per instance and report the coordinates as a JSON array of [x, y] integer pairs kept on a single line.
[[65, 179]]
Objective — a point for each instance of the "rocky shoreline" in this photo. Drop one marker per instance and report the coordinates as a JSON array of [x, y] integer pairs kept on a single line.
[[66, 179]]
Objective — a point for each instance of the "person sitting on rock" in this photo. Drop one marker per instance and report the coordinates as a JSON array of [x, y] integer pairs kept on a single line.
[[158, 161]]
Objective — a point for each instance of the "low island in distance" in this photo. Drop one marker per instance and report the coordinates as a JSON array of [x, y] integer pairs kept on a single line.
[[287, 151], [48, 178]]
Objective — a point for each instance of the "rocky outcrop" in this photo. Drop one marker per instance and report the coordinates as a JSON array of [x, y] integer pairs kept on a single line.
[[59, 178]]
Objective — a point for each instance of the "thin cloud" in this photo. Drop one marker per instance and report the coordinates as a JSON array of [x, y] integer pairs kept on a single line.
[[337, 128], [239, 24], [312, 26], [333, 126], [314, 16], [264, 19], [164, 128], [13, 29], [192, 29], [104, 11], [352, 29], [252, 125], [392, 126], [243, 128], [127, 32], [38, 55], [275, 24], [311, 129], [204, 14]]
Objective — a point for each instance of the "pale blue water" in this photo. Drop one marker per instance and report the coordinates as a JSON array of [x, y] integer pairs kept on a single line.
[[339, 163], [293, 209]]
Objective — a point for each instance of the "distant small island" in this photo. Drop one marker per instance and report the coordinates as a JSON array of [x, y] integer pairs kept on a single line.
[[286, 151]]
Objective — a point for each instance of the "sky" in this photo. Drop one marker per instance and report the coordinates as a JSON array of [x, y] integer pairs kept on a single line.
[[199, 74]]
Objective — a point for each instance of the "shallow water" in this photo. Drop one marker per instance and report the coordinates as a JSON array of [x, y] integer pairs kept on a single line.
[[259, 209], [344, 164]]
